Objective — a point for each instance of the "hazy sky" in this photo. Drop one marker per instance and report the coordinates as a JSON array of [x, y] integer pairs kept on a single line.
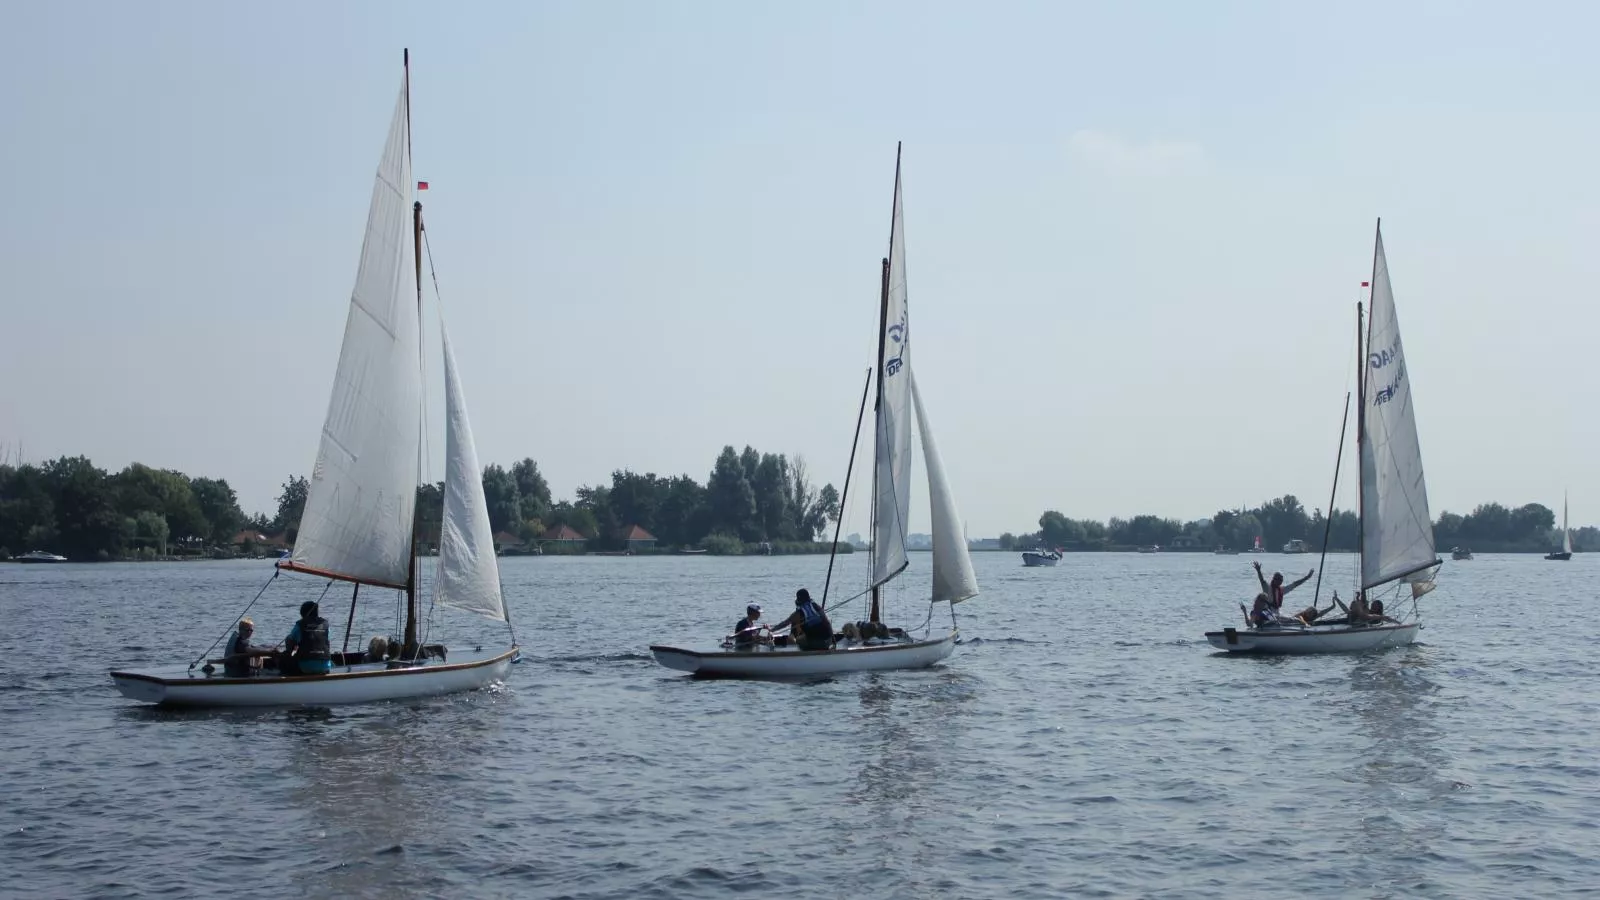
[[1135, 235]]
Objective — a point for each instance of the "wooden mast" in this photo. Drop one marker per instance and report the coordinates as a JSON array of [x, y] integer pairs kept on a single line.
[[875, 612]]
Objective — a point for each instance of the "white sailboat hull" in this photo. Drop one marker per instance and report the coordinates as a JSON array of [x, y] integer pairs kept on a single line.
[[1301, 641], [787, 662], [365, 683]]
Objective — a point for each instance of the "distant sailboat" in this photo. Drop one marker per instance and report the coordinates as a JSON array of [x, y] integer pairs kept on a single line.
[[359, 515], [898, 399], [1565, 553], [1396, 531]]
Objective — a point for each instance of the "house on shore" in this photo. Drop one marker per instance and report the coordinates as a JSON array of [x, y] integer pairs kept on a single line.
[[635, 538]]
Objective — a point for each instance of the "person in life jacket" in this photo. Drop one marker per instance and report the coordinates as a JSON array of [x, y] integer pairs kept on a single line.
[[1277, 589], [306, 649], [809, 624]]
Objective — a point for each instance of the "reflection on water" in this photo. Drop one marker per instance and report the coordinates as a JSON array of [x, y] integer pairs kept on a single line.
[[1398, 770]]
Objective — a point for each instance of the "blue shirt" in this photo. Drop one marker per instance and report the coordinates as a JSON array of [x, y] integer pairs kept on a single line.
[[322, 666]]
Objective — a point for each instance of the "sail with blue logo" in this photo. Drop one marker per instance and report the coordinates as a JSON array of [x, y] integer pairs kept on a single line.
[[1397, 529], [892, 504]]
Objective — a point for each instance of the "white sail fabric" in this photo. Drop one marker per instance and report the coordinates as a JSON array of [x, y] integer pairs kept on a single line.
[[469, 576], [1566, 533], [357, 522], [892, 505], [953, 579], [1397, 530]]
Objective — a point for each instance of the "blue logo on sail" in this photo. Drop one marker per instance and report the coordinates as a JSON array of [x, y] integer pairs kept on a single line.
[[897, 334]]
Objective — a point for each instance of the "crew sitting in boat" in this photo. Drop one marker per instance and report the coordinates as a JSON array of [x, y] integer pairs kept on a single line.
[[306, 649], [1261, 612], [751, 631], [243, 658], [1311, 614], [809, 623]]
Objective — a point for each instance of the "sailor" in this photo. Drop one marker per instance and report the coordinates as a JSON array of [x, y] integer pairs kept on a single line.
[[1277, 589], [750, 631], [306, 649], [809, 623], [243, 658]]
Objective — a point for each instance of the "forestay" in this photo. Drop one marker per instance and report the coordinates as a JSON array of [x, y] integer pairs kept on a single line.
[[358, 515], [892, 505], [1397, 530], [469, 576], [953, 579]]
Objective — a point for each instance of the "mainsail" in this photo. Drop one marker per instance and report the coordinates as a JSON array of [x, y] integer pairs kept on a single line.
[[1397, 530], [892, 505], [953, 579], [1566, 533], [469, 576], [358, 516]]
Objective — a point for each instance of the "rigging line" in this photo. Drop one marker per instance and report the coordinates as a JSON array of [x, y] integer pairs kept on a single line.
[[237, 618]]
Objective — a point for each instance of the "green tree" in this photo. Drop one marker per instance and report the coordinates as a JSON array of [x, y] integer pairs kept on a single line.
[[151, 530], [824, 512], [533, 490], [139, 488], [500, 493], [428, 514], [291, 506], [219, 507], [87, 523], [733, 503], [27, 514], [771, 489]]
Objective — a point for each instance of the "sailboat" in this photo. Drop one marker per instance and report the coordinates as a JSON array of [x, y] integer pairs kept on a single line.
[[1565, 553], [358, 523], [896, 400], [1397, 549]]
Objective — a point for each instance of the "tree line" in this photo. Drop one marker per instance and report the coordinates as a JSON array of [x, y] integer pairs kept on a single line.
[[72, 507], [1489, 528]]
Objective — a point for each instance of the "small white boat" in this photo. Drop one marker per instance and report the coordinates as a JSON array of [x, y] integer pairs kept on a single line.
[[1460, 553], [359, 683], [1033, 558], [1153, 548], [898, 402], [787, 662], [39, 556], [1290, 639], [1397, 548], [1565, 553], [1296, 546], [359, 513]]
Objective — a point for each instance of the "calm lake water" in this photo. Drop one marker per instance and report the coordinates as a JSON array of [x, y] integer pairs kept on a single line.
[[1082, 741]]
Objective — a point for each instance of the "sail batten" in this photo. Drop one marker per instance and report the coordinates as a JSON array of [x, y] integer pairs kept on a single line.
[[892, 503], [1397, 529], [357, 524], [953, 578], [469, 574]]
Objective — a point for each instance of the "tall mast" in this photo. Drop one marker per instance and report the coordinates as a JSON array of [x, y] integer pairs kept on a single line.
[[875, 614], [410, 650], [1362, 336]]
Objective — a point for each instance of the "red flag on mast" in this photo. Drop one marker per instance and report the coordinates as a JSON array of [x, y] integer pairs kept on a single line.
[[1363, 284], [423, 185]]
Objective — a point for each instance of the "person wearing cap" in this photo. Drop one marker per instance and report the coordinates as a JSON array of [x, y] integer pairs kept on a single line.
[[243, 659], [306, 649], [809, 623], [750, 630]]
